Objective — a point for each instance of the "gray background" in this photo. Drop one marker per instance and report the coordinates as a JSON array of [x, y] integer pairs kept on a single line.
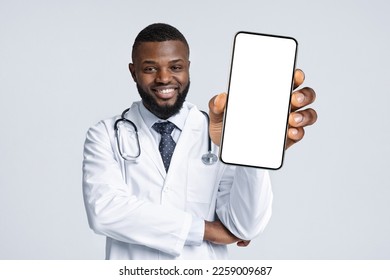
[[63, 67]]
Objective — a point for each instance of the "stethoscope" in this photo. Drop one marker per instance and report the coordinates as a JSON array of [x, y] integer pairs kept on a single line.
[[126, 130]]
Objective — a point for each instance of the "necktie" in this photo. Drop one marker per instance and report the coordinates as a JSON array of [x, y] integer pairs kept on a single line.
[[167, 144]]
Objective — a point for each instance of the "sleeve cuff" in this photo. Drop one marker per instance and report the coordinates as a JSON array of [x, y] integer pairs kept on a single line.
[[196, 233]]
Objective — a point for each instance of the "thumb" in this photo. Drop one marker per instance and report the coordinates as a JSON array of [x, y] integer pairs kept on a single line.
[[217, 106]]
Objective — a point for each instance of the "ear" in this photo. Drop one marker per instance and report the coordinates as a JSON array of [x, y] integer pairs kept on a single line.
[[132, 71]]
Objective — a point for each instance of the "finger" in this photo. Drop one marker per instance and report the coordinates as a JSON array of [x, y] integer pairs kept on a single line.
[[302, 118], [302, 97], [294, 135], [299, 78]]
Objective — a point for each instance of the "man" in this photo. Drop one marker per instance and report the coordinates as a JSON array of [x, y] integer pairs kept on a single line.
[[167, 204]]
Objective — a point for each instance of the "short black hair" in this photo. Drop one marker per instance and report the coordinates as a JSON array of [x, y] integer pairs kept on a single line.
[[159, 32]]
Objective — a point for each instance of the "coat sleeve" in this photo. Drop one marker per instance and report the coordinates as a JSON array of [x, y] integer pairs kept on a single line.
[[114, 212], [244, 201]]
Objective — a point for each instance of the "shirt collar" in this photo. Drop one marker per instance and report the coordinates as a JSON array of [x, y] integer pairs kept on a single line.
[[179, 119]]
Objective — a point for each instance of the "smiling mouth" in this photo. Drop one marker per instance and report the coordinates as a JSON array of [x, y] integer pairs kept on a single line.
[[165, 93]]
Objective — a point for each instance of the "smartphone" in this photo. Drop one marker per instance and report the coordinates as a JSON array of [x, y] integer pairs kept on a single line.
[[258, 100]]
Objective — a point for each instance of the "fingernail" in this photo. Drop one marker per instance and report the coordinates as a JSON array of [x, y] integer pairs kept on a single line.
[[298, 118], [293, 131], [300, 97], [215, 100]]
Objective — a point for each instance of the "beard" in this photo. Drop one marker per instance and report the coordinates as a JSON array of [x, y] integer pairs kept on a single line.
[[167, 111]]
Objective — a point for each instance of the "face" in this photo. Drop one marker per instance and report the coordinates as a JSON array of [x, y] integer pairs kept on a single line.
[[161, 72]]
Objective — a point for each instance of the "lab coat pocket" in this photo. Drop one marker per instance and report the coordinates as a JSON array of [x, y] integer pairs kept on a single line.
[[201, 181]]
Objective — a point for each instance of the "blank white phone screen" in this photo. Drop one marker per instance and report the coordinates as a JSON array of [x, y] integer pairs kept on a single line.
[[260, 86]]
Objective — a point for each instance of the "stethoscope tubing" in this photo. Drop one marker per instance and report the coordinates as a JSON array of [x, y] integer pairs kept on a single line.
[[207, 159]]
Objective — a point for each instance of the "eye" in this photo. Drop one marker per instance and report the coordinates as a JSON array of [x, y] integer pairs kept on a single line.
[[150, 69], [177, 68]]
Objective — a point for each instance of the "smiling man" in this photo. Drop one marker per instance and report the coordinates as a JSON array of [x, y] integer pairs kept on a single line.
[[166, 203], [161, 72]]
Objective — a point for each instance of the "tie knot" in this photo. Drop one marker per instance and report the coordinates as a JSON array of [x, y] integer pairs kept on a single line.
[[163, 127]]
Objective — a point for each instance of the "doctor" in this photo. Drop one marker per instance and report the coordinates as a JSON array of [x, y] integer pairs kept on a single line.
[[160, 206]]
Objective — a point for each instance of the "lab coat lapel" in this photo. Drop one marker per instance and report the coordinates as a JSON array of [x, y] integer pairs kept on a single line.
[[147, 143], [188, 138]]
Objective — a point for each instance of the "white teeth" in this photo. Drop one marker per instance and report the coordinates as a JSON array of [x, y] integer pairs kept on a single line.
[[166, 91]]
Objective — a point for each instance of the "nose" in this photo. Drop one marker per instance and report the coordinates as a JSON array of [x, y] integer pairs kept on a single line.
[[163, 76]]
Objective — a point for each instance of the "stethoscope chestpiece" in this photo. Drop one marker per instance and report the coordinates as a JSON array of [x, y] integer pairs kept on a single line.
[[209, 158]]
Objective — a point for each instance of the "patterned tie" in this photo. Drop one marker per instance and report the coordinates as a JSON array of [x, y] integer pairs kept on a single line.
[[167, 144]]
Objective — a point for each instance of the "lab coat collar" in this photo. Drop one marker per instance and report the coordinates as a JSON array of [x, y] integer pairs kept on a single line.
[[190, 135], [149, 118], [147, 143]]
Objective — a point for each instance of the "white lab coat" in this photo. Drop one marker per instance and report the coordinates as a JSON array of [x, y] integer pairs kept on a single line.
[[147, 214]]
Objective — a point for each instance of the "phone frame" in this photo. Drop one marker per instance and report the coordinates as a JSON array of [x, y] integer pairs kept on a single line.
[[228, 95]]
